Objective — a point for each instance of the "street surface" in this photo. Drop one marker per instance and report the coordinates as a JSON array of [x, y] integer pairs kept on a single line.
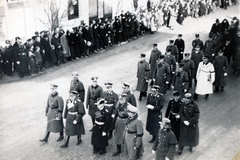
[[23, 121]]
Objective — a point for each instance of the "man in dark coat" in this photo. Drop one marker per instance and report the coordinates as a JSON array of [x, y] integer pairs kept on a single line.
[[94, 92], [8, 58], [220, 64], [188, 67], [78, 86], [154, 103], [142, 71], [99, 138], [215, 27], [165, 144], [189, 130], [209, 48], [111, 100], [16, 51], [155, 53], [74, 112], [174, 50], [131, 98], [196, 57], [180, 80], [47, 48], [161, 76], [56, 43], [54, 110], [22, 63], [88, 37], [181, 46], [172, 113], [125, 26], [197, 42]]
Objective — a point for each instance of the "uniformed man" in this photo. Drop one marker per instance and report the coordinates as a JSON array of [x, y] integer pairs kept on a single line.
[[154, 104], [74, 112], [155, 53], [189, 131], [99, 138], [189, 67], [161, 76], [209, 48], [174, 50], [165, 144], [197, 42], [53, 112], [78, 86], [94, 92], [121, 120], [131, 98], [180, 80], [181, 46], [172, 113], [133, 134], [111, 99], [8, 58]]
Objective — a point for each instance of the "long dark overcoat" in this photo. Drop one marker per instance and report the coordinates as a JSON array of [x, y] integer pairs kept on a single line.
[[220, 64], [78, 86], [143, 68], [189, 135], [153, 62], [180, 82]]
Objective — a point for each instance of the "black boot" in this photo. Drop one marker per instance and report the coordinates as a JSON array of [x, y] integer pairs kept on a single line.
[[179, 152], [153, 139], [79, 140], [110, 134], [190, 149], [216, 89], [195, 96], [61, 137], [140, 96], [65, 145], [118, 150], [222, 89], [102, 151], [206, 96], [45, 139]]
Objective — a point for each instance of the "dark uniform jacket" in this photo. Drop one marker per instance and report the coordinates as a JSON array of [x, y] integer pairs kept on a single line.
[[142, 70], [197, 58], [197, 42], [131, 99], [165, 144], [220, 65], [181, 46], [111, 99], [92, 95], [153, 116], [180, 82], [174, 51], [102, 122], [153, 61], [79, 87], [71, 113]]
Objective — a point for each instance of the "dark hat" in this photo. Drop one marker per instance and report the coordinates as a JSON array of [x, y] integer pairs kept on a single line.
[[75, 74], [188, 95], [154, 45], [175, 93], [131, 108], [171, 41], [220, 51], [42, 32], [7, 42], [94, 78], [234, 18], [16, 38], [206, 56], [196, 35], [180, 65], [179, 35], [155, 87], [143, 55], [108, 84], [45, 36], [36, 33], [168, 49], [123, 95], [161, 57], [186, 54], [73, 92], [217, 20], [126, 84], [197, 46], [100, 101], [53, 85]]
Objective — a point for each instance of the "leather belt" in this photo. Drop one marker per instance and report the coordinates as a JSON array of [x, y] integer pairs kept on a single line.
[[73, 113], [99, 123], [109, 105]]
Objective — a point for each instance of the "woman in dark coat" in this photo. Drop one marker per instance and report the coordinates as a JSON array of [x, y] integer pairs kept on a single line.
[[220, 64], [189, 130], [74, 112], [142, 83]]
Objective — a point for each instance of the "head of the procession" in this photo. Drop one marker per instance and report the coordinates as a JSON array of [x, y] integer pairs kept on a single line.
[[126, 87], [108, 86], [100, 103], [54, 88], [94, 81], [188, 98], [131, 110]]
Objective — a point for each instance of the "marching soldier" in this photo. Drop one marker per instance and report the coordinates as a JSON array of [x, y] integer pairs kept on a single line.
[[172, 113], [78, 86], [181, 46], [155, 102], [161, 76], [189, 131], [74, 112], [53, 112], [165, 144], [111, 99], [131, 98], [99, 138], [174, 50], [121, 120], [94, 92], [197, 42], [133, 134], [180, 80]]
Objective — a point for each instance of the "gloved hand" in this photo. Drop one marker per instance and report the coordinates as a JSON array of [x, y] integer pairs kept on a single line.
[[104, 134], [74, 122], [153, 152]]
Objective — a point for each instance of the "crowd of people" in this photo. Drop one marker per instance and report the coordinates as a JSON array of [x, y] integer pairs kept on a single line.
[[46, 49], [115, 115]]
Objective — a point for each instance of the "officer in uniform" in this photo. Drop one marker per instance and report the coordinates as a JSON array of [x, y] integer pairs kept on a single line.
[[78, 86], [174, 50], [165, 144], [111, 100], [53, 112], [161, 76], [74, 112], [180, 45], [121, 119], [94, 92], [133, 134], [154, 103], [131, 98], [197, 42], [102, 120], [180, 80], [172, 113]]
